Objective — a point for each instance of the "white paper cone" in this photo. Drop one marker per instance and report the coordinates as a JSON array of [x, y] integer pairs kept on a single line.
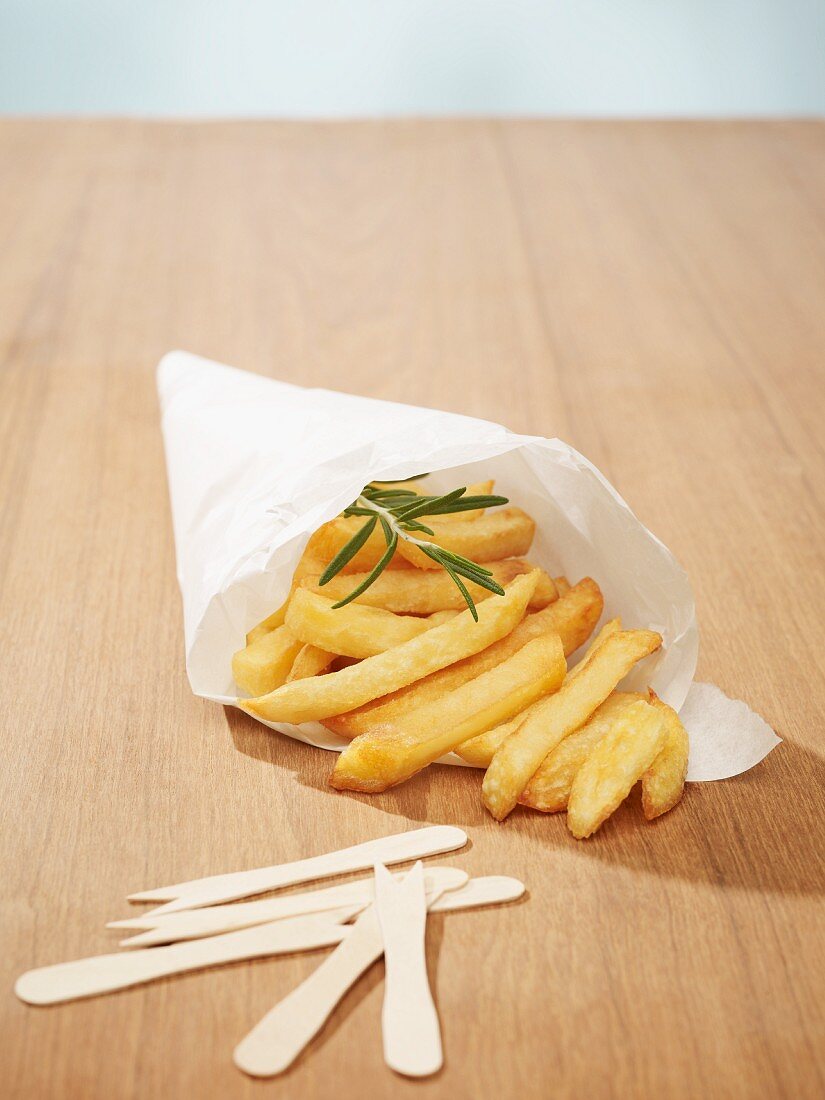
[[256, 465]]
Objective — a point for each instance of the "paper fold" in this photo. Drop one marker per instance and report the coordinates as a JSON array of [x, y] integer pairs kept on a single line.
[[256, 465]]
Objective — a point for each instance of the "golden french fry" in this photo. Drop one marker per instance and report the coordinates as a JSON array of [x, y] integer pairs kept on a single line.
[[504, 533], [481, 750], [308, 564], [267, 625], [422, 592], [334, 535], [573, 618], [322, 696], [607, 776], [353, 630], [549, 789], [664, 781], [311, 661], [390, 754], [520, 756], [609, 628], [439, 617], [562, 585], [265, 665]]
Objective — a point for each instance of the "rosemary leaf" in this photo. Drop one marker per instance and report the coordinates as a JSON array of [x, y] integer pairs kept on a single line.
[[430, 505], [469, 504], [348, 551], [380, 565], [457, 559], [395, 494], [414, 525], [482, 582], [462, 587], [400, 480]]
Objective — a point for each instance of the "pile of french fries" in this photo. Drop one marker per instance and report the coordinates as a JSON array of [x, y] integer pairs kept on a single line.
[[405, 675]]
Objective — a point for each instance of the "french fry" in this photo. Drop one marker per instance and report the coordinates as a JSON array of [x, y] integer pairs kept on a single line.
[[439, 617], [573, 618], [520, 756], [308, 564], [549, 789], [608, 630], [390, 754], [265, 665], [504, 533], [352, 631], [317, 698], [311, 661], [664, 781], [621, 758], [334, 535], [479, 751], [267, 625], [422, 592], [562, 585]]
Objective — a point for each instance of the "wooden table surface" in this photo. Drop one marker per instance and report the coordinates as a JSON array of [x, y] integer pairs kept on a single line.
[[654, 293]]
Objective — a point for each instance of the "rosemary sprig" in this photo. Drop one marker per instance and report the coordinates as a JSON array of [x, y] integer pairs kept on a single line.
[[399, 512]]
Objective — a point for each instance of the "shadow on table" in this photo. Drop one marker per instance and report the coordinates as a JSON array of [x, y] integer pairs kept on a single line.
[[760, 831]]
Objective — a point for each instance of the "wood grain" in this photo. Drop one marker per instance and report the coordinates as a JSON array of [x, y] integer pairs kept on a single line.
[[655, 294]]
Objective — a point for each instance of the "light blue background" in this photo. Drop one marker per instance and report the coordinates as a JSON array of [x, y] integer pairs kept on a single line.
[[376, 57]]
